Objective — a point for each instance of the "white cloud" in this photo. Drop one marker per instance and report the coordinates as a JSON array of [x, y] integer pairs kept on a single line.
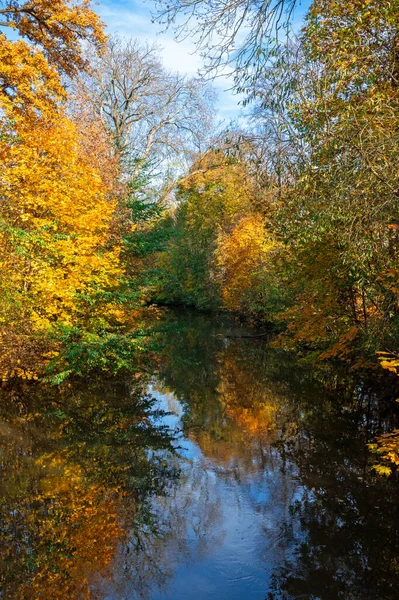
[[131, 19], [179, 56]]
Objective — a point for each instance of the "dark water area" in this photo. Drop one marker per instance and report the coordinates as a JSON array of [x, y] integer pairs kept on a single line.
[[226, 471]]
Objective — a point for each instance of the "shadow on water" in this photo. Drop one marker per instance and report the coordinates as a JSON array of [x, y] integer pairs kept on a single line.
[[233, 473]]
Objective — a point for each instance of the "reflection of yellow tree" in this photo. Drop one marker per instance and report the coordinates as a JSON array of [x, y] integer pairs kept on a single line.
[[248, 402], [75, 471], [248, 419], [90, 528], [70, 530], [228, 447], [386, 447]]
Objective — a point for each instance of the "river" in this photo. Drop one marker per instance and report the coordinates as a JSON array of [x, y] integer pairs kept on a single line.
[[224, 470]]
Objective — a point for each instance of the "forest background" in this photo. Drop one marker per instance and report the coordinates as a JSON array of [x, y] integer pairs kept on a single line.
[[120, 193]]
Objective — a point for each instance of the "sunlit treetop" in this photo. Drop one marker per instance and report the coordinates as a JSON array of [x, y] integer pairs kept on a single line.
[[57, 26], [29, 86], [358, 38]]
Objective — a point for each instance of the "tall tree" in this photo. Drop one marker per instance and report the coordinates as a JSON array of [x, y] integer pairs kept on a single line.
[[158, 119], [56, 26], [56, 210]]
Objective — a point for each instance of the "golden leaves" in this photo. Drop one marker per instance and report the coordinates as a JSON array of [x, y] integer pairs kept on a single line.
[[57, 26], [56, 210], [387, 450], [76, 538], [240, 257], [30, 87], [65, 215], [389, 361]]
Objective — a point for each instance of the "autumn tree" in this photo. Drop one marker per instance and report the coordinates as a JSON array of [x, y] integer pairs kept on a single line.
[[324, 107], [66, 502], [159, 122], [59, 262], [57, 28], [220, 243], [245, 260]]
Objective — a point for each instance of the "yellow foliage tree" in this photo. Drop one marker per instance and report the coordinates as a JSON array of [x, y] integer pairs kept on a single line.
[[81, 542], [58, 256], [57, 26], [216, 194], [55, 223], [242, 256]]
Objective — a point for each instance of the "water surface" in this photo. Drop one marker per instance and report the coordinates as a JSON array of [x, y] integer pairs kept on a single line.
[[226, 471]]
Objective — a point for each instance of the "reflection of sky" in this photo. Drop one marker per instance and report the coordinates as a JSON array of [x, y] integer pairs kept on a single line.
[[132, 19], [168, 403], [232, 522]]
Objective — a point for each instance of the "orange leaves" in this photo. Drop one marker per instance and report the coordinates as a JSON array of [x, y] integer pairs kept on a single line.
[[30, 87], [56, 206], [240, 257], [386, 449], [343, 347], [77, 538], [58, 226], [213, 197], [390, 279], [57, 26], [389, 361], [216, 192], [29, 79]]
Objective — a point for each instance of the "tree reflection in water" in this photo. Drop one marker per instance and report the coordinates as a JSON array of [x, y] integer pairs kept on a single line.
[[78, 469], [270, 424], [247, 476]]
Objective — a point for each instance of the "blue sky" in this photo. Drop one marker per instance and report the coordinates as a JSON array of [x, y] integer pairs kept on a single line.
[[132, 19]]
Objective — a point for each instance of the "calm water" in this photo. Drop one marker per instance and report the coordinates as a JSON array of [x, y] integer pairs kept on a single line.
[[224, 471]]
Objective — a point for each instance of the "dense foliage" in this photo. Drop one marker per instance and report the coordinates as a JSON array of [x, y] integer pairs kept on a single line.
[[74, 201], [314, 246], [316, 249], [119, 194]]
